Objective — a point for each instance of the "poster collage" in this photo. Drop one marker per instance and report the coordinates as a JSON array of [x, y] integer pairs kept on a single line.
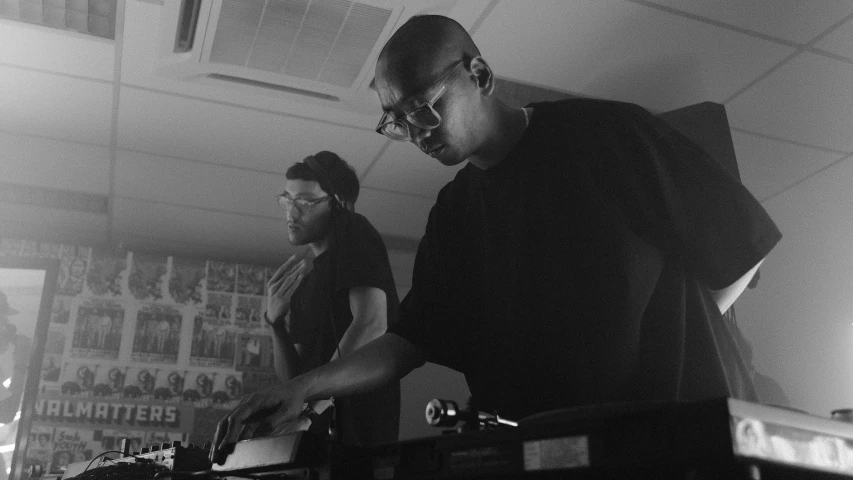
[[153, 348]]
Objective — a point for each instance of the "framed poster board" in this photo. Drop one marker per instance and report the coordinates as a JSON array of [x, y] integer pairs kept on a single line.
[[26, 297]]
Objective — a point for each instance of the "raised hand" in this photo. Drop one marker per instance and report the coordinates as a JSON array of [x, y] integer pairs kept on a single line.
[[281, 286]]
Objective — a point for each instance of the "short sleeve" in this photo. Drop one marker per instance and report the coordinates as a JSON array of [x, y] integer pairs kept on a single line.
[[361, 258], [680, 198]]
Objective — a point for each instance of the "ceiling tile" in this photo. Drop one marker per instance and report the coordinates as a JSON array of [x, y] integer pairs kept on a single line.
[[769, 166], [57, 51], [840, 41], [404, 168], [807, 100], [196, 184], [257, 238], [177, 126], [55, 106], [52, 163], [792, 20], [394, 213], [49, 224], [623, 51]]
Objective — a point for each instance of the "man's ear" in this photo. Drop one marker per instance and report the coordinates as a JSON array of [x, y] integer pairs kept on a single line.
[[483, 74]]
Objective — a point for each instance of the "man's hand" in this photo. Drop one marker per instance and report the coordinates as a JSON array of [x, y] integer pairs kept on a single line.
[[281, 286], [274, 406]]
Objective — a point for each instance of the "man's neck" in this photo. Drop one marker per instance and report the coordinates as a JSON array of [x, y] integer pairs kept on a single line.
[[508, 126], [319, 247]]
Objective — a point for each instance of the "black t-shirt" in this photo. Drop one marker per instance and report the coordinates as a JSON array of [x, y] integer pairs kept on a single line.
[[577, 270], [320, 315]]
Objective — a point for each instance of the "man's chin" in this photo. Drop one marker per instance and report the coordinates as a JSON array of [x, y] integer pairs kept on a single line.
[[296, 241], [450, 159]]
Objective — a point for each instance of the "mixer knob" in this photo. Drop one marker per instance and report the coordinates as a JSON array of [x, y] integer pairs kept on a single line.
[[442, 413], [125, 447]]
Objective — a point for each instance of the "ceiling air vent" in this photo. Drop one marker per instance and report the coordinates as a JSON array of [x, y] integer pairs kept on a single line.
[[317, 50]]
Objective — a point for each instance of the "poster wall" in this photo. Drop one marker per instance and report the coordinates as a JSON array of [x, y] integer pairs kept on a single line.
[[152, 348]]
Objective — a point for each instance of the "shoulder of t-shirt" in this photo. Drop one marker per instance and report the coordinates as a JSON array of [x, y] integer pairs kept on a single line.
[[580, 112], [356, 225]]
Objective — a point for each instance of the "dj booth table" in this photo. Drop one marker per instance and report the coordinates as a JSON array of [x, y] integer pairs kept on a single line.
[[717, 439]]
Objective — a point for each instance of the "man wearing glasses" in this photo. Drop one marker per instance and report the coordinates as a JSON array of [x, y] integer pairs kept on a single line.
[[582, 256], [326, 308]]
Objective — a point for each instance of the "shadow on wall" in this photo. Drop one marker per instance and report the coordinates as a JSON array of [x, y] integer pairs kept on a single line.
[[769, 391]]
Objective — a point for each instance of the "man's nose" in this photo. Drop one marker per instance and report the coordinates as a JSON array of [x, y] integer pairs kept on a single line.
[[293, 213], [418, 135]]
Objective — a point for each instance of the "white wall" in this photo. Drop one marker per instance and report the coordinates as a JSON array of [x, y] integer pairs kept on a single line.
[[800, 318]]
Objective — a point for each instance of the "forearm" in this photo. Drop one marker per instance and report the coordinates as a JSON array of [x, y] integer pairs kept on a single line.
[[377, 363], [726, 297], [357, 336], [285, 356]]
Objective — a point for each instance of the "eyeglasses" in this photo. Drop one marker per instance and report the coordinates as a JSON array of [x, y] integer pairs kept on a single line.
[[424, 117], [303, 205]]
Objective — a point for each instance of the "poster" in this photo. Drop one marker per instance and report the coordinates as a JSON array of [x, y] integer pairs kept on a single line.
[[97, 330], [187, 281], [54, 349], [70, 445], [158, 334], [249, 311], [220, 276], [155, 383], [61, 310], [219, 305], [40, 449], [250, 279], [121, 361], [78, 378], [147, 276], [254, 353], [105, 276], [72, 270], [212, 342], [206, 388]]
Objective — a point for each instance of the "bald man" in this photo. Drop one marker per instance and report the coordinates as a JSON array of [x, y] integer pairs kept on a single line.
[[583, 255]]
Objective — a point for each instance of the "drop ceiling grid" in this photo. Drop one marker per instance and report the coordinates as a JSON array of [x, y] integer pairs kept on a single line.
[[61, 52], [55, 106], [808, 100], [768, 167], [28, 220], [789, 20], [198, 226], [194, 184], [46, 162], [612, 49], [840, 41], [195, 129]]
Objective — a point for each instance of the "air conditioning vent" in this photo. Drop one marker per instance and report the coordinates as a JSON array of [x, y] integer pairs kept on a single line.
[[187, 22], [273, 86], [320, 50]]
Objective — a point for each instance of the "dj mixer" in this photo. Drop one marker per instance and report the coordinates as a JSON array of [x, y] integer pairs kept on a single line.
[[717, 439]]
